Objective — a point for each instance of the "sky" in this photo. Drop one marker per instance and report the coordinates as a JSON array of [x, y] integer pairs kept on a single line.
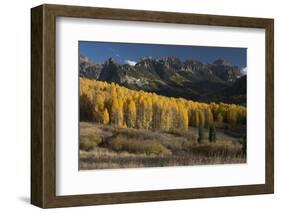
[[131, 53]]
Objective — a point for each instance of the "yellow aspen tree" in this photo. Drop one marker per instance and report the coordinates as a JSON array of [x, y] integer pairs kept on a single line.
[[242, 117], [131, 114], [85, 108], [201, 118], [156, 120], [98, 107], [114, 112], [219, 120], [175, 114], [105, 116], [163, 121], [183, 117], [120, 120], [195, 120], [231, 115], [140, 113], [166, 118], [147, 117], [208, 117], [120, 115]]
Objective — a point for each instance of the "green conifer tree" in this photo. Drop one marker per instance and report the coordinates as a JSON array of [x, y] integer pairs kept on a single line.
[[200, 134], [212, 134]]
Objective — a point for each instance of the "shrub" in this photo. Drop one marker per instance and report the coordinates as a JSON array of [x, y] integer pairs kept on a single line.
[[175, 144], [157, 149], [131, 145], [217, 149], [89, 142]]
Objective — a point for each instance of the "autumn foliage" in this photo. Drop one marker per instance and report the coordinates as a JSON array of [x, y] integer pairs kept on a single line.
[[109, 103]]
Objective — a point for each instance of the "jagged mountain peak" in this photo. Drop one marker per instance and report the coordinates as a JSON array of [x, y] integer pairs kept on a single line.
[[146, 62], [170, 59], [110, 61], [222, 61], [171, 62], [86, 60], [168, 75]]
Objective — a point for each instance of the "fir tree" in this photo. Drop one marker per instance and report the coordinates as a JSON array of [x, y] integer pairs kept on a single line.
[[200, 134], [212, 134]]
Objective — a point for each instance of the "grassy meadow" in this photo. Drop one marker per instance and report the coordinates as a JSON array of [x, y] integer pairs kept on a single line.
[[108, 147]]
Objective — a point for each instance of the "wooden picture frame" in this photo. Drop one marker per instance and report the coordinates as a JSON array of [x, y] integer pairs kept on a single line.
[[43, 105]]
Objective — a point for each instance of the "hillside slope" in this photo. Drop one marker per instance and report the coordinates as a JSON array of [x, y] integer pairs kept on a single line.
[[168, 76]]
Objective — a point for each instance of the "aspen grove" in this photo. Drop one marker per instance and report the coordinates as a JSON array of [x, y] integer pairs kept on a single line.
[[110, 103]]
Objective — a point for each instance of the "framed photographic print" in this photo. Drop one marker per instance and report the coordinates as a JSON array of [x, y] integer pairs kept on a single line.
[[137, 106]]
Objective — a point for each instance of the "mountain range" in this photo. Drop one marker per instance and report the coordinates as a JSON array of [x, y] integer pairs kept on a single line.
[[219, 81]]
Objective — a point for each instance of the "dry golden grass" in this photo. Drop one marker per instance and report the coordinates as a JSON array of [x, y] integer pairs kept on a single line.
[[107, 147]]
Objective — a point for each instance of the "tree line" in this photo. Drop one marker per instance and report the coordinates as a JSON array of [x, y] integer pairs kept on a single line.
[[110, 103]]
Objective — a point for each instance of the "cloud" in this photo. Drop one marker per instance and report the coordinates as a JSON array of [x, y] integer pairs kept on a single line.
[[244, 70], [130, 62]]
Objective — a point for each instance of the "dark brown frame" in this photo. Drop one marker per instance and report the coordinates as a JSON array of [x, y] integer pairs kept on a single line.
[[43, 105]]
